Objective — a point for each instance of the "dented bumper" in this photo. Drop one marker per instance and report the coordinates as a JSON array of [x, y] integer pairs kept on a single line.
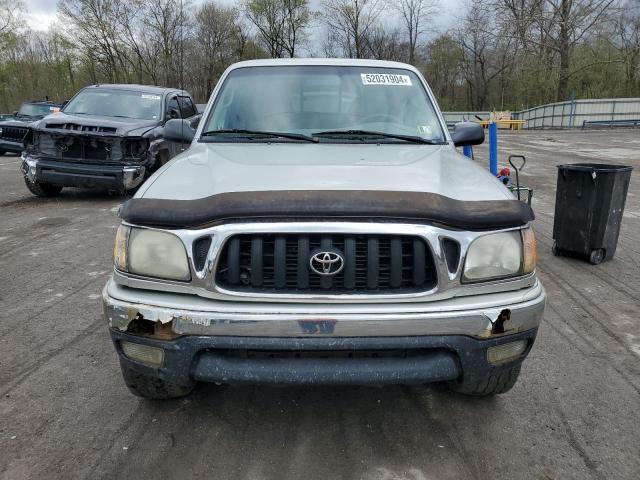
[[479, 316]]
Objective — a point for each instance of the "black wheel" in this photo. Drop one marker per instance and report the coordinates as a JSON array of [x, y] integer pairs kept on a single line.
[[555, 250], [597, 256], [2, 152], [493, 384], [153, 388], [42, 189]]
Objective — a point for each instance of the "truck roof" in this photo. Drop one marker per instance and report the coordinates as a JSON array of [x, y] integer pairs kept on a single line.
[[41, 102], [341, 62], [137, 88]]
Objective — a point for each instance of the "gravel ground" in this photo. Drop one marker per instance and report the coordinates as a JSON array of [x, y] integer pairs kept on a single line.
[[65, 412]]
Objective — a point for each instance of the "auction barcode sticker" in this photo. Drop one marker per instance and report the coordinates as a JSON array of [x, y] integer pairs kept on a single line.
[[385, 79]]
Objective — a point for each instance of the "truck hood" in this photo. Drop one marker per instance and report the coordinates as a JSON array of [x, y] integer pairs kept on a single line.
[[207, 169], [17, 122], [114, 125]]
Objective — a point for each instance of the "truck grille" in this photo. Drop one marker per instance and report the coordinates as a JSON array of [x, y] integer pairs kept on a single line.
[[82, 128], [80, 148], [373, 264], [13, 134]]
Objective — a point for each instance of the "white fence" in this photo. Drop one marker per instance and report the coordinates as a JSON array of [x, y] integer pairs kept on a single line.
[[575, 113], [569, 114]]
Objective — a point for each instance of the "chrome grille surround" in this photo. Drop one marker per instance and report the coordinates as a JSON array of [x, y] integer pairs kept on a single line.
[[202, 281]]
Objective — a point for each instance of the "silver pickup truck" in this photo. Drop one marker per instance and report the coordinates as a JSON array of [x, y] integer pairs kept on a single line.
[[322, 229]]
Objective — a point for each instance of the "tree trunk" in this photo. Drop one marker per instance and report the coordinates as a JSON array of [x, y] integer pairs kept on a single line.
[[564, 46]]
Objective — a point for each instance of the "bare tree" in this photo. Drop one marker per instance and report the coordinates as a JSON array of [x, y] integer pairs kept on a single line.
[[486, 54], [165, 23], [281, 24], [415, 15], [216, 33], [386, 44], [555, 27], [349, 23], [10, 12], [93, 23], [627, 43]]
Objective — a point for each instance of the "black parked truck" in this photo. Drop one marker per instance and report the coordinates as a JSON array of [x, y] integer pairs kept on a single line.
[[106, 137], [14, 129]]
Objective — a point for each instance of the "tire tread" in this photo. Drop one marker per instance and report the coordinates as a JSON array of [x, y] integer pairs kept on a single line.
[[495, 383], [42, 189], [151, 387]]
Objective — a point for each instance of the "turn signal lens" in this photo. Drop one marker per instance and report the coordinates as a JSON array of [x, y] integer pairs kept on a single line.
[[506, 351], [530, 251], [143, 353], [120, 248]]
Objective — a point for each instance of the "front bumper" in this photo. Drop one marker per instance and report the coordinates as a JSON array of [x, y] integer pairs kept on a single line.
[[444, 340], [68, 174], [9, 146]]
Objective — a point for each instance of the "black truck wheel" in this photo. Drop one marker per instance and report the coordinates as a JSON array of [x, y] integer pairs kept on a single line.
[[493, 384], [42, 189], [2, 152], [154, 388]]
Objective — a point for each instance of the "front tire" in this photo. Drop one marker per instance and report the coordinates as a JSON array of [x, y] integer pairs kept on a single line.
[[2, 152], [42, 189], [151, 387], [494, 383]]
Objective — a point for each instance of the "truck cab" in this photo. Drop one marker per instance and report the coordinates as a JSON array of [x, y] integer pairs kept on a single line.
[[322, 229]]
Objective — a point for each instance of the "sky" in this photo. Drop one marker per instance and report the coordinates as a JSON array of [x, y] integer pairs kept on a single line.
[[42, 13]]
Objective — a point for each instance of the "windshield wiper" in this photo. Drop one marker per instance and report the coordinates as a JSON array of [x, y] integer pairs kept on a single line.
[[260, 133], [363, 133]]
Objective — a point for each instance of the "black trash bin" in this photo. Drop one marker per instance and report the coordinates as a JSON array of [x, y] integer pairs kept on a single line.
[[590, 199]]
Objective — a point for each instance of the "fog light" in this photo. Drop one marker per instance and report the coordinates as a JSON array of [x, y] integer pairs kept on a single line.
[[143, 353], [506, 351]]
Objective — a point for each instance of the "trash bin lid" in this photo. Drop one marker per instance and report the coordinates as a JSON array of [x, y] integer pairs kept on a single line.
[[595, 167]]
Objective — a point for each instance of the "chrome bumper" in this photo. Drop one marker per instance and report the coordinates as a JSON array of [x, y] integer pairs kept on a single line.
[[475, 316], [82, 175]]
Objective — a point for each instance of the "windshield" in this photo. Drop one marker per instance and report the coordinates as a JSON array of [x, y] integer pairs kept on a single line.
[[36, 109], [116, 103], [324, 100]]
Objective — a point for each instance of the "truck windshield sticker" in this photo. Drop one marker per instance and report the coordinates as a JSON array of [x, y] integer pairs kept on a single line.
[[385, 79], [150, 97]]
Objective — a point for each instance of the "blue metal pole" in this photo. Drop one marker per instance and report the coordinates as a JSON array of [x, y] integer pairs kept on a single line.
[[467, 151], [493, 148]]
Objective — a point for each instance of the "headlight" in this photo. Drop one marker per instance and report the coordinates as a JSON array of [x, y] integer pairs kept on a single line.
[[151, 253], [496, 255]]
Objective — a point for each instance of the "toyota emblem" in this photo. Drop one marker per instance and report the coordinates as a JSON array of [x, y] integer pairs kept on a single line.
[[328, 262]]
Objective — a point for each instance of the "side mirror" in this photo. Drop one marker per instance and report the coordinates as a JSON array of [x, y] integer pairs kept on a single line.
[[173, 113], [467, 133], [178, 130], [15, 113], [195, 121]]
